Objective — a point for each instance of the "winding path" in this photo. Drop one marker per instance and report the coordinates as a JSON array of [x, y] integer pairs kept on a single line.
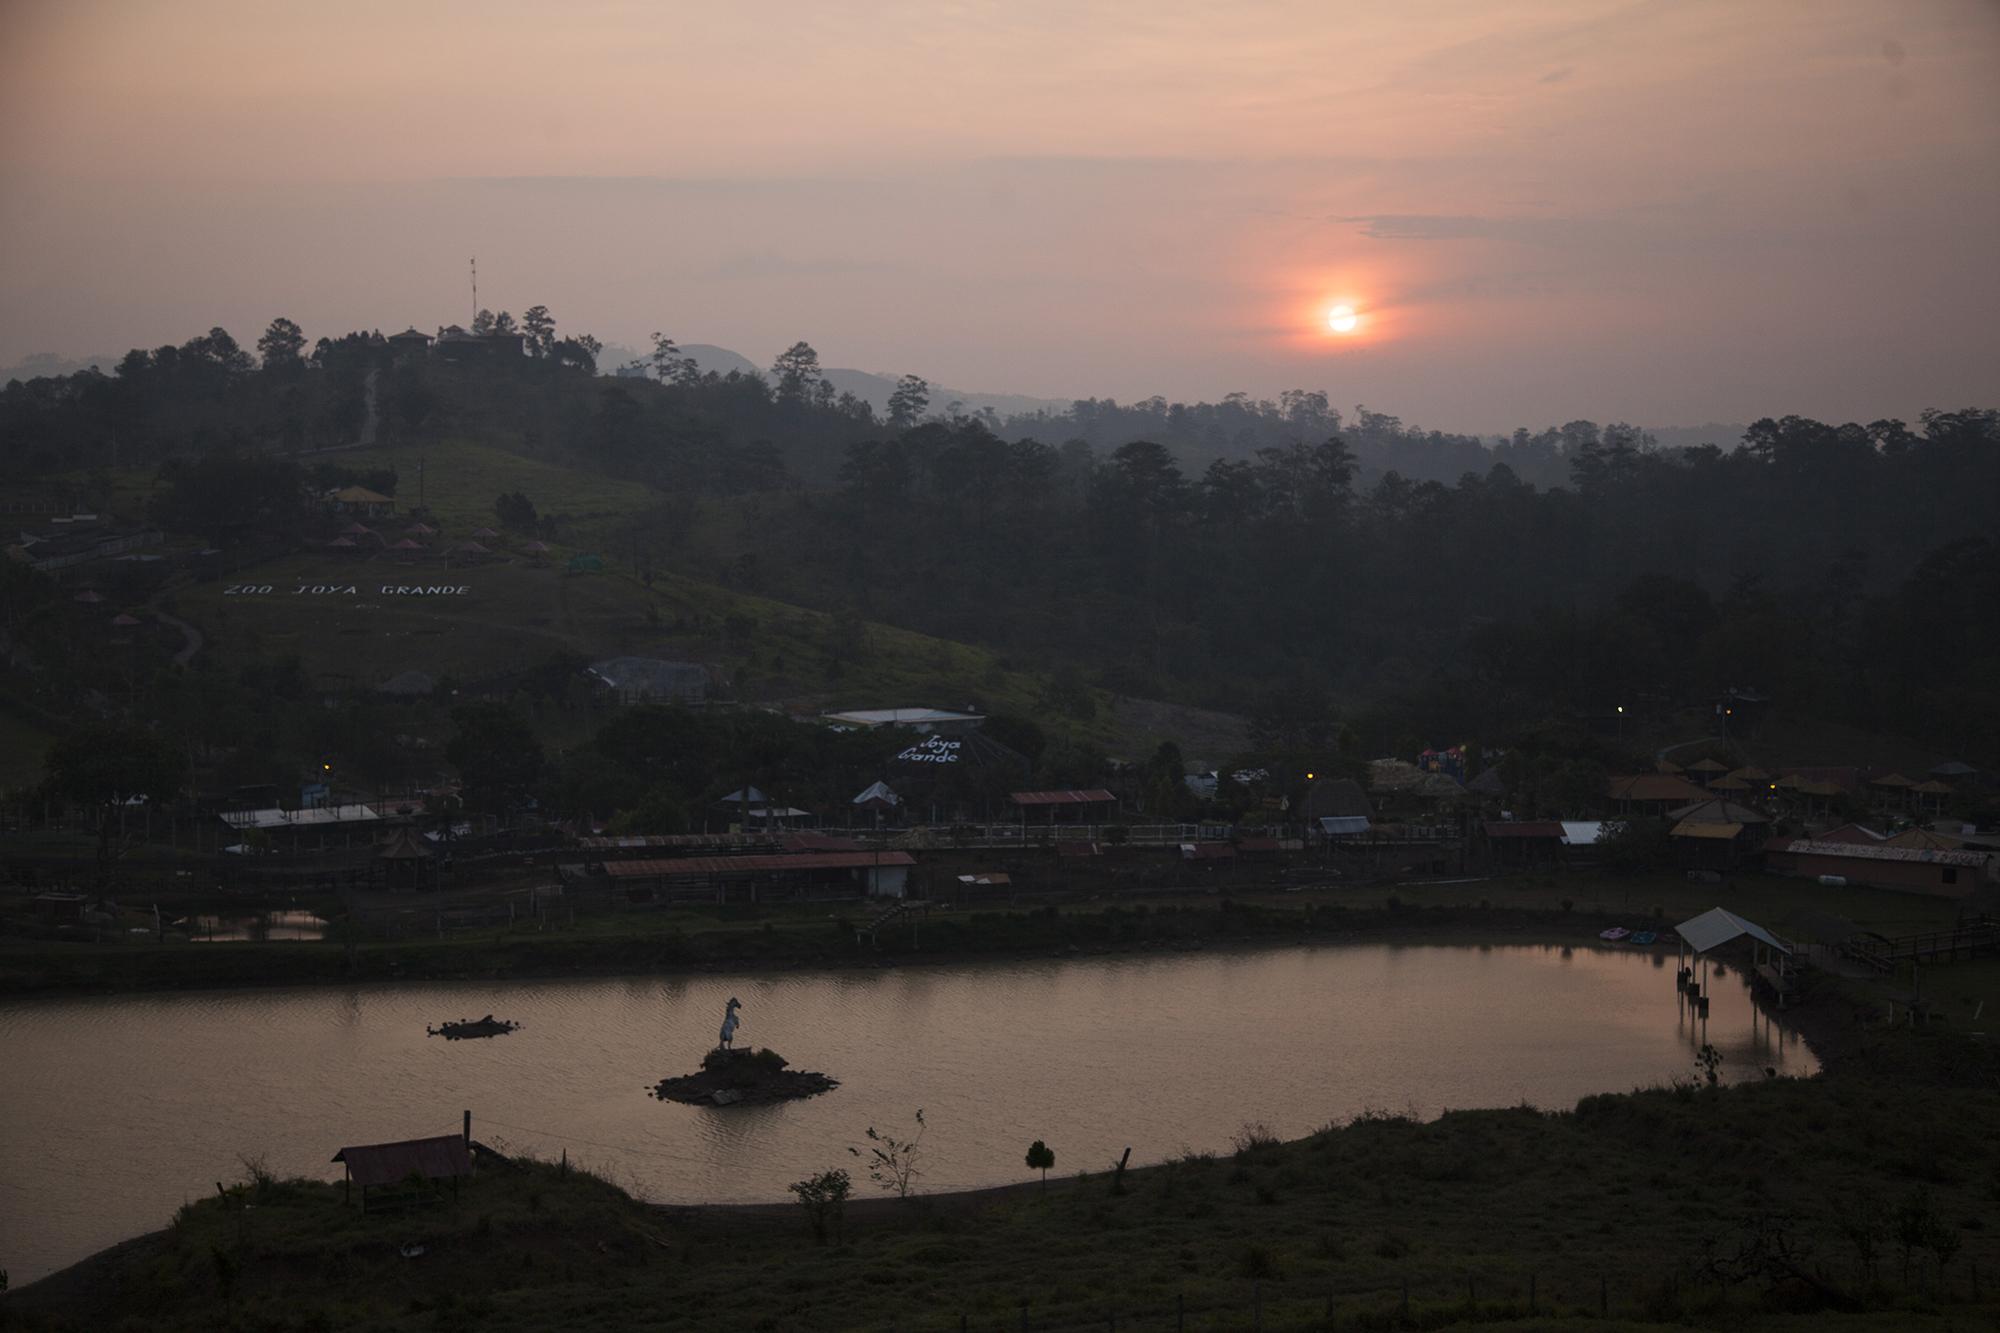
[[188, 632]]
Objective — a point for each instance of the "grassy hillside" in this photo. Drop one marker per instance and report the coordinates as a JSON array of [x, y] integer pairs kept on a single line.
[[517, 613], [461, 480], [1841, 1202]]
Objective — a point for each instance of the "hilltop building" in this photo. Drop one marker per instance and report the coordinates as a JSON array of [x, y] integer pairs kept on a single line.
[[927, 721]]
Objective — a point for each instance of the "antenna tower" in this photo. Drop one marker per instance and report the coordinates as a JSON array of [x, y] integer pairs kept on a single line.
[[475, 289]]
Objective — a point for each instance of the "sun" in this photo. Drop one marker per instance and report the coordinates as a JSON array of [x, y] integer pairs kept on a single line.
[[1342, 319]]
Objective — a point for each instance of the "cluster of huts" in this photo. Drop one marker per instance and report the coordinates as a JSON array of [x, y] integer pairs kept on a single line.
[[371, 530], [1836, 824]]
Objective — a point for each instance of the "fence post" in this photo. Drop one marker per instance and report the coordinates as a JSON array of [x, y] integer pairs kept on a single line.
[[1471, 1291], [1180, 1311], [1257, 1306], [1406, 1298], [1531, 1293], [1603, 1296], [1024, 1317]]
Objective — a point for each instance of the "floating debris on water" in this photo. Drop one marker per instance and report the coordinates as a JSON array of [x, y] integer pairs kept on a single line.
[[462, 1028]]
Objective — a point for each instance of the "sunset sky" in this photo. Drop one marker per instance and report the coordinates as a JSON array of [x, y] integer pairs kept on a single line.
[[1668, 213]]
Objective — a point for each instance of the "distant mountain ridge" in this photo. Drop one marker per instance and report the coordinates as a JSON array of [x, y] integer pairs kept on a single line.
[[1725, 436], [47, 365], [875, 389]]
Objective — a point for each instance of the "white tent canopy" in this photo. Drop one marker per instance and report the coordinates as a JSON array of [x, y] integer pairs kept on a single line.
[[878, 791], [1717, 927], [1583, 832]]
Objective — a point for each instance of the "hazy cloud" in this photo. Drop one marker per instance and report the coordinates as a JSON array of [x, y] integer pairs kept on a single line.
[[1072, 199], [1519, 230]]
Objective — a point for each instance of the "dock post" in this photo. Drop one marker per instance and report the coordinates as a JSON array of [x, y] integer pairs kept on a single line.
[[468, 1128]]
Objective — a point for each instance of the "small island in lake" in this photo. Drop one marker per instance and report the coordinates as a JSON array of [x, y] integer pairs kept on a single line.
[[731, 1077], [743, 1078], [462, 1028]]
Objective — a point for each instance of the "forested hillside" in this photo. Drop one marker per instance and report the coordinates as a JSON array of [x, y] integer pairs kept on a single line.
[[1256, 557]]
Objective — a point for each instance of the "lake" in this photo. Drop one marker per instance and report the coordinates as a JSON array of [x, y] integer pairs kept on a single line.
[[117, 1109]]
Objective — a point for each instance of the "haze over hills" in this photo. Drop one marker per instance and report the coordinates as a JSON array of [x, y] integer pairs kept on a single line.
[[874, 389], [44, 365]]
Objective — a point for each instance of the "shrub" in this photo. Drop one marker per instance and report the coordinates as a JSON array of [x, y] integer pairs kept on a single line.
[[824, 1198], [892, 1162], [1253, 1135]]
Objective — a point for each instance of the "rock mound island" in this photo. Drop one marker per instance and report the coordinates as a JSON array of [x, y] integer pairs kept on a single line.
[[743, 1078]]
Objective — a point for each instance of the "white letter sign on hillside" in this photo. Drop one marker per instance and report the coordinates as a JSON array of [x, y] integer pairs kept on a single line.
[[935, 750], [349, 590]]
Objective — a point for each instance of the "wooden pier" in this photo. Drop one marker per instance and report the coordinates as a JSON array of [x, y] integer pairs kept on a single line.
[[1969, 939]]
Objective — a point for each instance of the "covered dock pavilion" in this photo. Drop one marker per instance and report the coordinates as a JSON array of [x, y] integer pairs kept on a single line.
[[1702, 935]]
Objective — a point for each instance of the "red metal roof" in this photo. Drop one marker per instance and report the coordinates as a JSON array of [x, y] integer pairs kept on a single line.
[[736, 865], [1090, 797], [808, 841], [440, 1158], [642, 842], [1523, 828]]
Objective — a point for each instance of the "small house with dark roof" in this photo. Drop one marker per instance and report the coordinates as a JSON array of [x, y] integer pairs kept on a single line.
[[456, 345], [1929, 796], [360, 501], [407, 861], [1523, 842], [1715, 835], [409, 1171], [1710, 844], [1718, 812], [1891, 789], [410, 345], [1651, 793], [1080, 805]]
